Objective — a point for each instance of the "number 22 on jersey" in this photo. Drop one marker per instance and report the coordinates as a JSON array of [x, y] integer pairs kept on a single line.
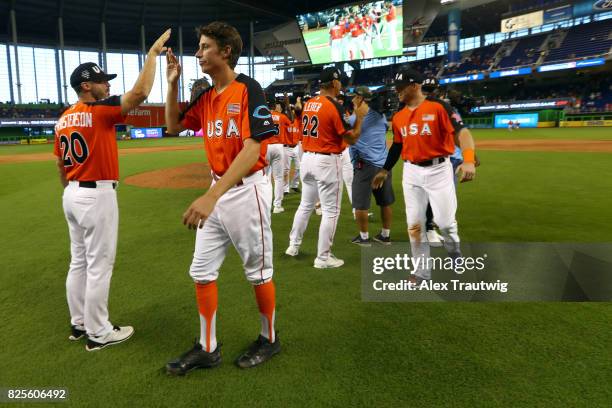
[[310, 125]]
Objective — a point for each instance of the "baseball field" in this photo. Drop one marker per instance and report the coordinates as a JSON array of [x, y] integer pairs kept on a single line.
[[544, 185]]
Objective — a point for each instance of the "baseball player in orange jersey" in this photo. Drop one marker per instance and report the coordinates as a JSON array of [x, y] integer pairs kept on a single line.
[[236, 207], [424, 135], [86, 150], [291, 156], [323, 134], [282, 124]]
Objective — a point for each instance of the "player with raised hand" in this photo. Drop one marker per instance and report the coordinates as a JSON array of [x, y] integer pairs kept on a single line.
[[236, 207], [87, 160]]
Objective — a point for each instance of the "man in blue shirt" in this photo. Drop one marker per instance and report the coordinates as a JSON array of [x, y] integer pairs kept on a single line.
[[368, 156]]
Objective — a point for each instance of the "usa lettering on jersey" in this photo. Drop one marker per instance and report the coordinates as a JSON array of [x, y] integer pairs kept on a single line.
[[216, 128], [413, 130]]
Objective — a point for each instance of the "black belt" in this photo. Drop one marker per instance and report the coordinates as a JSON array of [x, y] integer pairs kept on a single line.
[[92, 184], [289, 145], [428, 163]]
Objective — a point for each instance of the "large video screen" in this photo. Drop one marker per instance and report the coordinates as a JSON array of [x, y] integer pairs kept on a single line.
[[526, 120], [353, 32]]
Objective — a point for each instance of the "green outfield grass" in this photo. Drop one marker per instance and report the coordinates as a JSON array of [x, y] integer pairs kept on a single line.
[[337, 350]]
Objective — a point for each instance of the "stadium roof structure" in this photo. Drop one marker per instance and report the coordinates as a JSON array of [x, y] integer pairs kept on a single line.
[[37, 20]]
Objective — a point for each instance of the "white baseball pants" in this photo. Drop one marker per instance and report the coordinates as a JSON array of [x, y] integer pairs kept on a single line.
[[93, 220], [276, 158], [321, 180]]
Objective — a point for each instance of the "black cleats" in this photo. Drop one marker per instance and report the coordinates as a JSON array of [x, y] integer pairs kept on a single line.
[[77, 333], [193, 359], [259, 352]]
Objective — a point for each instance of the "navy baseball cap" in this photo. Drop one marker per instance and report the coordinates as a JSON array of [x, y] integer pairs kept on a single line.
[[89, 71], [407, 76], [331, 73], [430, 84]]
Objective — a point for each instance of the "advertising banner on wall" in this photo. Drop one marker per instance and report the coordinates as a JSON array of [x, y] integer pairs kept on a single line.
[[526, 120], [523, 21]]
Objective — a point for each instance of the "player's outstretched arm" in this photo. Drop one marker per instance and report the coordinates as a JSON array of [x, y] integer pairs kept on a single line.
[[142, 88], [201, 208], [173, 73]]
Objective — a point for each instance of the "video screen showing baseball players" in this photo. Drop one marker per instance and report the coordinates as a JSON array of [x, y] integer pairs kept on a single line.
[[353, 32]]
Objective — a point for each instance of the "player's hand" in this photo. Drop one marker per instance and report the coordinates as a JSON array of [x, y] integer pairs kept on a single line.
[[173, 68], [361, 110], [158, 46], [199, 211], [466, 172], [379, 179]]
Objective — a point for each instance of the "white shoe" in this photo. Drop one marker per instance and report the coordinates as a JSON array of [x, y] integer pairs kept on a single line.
[[435, 240], [118, 335], [278, 210], [330, 262], [318, 211], [293, 250]]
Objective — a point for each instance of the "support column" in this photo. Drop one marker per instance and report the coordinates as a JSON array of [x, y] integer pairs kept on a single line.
[[35, 74], [10, 72], [15, 44], [60, 26], [454, 34], [58, 78], [143, 51], [104, 50]]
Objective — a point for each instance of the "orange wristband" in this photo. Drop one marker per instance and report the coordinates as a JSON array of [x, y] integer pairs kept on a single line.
[[468, 156]]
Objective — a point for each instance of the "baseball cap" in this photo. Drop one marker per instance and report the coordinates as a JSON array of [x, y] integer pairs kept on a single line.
[[407, 76], [429, 84], [362, 91], [329, 74], [89, 71]]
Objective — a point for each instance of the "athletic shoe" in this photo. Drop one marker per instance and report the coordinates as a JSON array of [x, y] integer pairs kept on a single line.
[[285, 192], [77, 333], [296, 190], [278, 210], [193, 359], [382, 240], [118, 335], [330, 262], [318, 211], [293, 250], [434, 239], [361, 242], [370, 215], [259, 352]]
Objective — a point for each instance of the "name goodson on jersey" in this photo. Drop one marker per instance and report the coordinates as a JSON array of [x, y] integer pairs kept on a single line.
[[79, 119]]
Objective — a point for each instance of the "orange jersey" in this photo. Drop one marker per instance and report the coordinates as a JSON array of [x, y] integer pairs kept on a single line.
[[296, 131], [323, 125], [356, 29], [85, 139], [391, 14], [229, 118], [282, 124], [336, 32], [426, 132]]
